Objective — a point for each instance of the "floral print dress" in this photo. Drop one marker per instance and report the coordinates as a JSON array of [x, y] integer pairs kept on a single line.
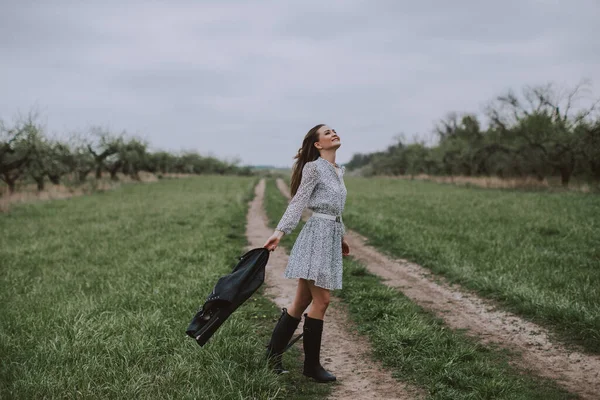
[[317, 252]]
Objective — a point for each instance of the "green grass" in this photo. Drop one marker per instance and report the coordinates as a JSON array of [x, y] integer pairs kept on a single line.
[[536, 253], [96, 293], [418, 347]]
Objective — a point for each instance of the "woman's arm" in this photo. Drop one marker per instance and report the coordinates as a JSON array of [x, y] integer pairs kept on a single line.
[[292, 214]]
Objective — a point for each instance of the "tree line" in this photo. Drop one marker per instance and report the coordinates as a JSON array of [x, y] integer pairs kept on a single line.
[[27, 153], [541, 132]]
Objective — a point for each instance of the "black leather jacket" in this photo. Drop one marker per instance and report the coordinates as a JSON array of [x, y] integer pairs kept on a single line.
[[228, 294]]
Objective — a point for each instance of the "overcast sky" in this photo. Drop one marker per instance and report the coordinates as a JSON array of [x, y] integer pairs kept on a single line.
[[249, 79]]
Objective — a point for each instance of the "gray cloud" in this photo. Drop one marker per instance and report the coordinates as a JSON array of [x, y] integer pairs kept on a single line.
[[249, 79]]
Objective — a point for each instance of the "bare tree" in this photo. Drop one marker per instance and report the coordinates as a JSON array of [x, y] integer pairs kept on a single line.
[[543, 121]]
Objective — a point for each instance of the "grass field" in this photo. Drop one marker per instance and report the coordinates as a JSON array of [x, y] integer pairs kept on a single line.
[[418, 347], [97, 292], [537, 253]]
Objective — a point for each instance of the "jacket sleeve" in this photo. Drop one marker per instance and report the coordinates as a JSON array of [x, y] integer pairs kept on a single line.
[[298, 203], [343, 226]]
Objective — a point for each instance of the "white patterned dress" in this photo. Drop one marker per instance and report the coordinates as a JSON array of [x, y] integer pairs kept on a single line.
[[317, 252]]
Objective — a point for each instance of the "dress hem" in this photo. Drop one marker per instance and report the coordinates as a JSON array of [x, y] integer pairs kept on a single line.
[[311, 279]]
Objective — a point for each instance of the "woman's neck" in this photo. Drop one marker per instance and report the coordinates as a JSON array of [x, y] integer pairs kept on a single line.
[[329, 156]]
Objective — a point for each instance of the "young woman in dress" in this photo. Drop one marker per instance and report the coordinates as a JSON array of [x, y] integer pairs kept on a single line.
[[316, 257]]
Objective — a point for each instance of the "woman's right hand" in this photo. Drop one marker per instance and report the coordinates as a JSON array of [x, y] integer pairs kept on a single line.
[[272, 242]]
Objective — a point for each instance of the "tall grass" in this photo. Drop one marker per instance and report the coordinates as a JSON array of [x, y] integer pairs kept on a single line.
[[96, 293], [537, 253]]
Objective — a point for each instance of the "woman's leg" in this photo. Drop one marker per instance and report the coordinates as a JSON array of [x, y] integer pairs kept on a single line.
[[320, 301], [313, 330], [302, 299], [287, 324]]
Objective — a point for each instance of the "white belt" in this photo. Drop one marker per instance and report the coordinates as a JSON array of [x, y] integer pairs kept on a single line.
[[336, 218]]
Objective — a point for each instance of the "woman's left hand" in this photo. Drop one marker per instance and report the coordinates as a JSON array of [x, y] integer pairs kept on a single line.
[[345, 248]]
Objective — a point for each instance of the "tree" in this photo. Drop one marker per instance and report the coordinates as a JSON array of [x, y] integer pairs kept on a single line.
[[589, 146], [60, 161], [359, 160], [104, 145], [133, 156], [82, 160], [15, 149], [543, 123], [40, 156], [461, 143], [418, 159], [160, 161]]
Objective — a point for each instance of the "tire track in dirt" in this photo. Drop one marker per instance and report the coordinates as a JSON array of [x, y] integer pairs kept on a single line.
[[574, 370], [343, 352]]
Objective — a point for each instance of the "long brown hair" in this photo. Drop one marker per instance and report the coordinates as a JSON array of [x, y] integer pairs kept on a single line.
[[308, 152]]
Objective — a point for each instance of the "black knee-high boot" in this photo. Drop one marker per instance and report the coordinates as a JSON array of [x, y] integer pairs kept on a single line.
[[282, 333], [313, 330]]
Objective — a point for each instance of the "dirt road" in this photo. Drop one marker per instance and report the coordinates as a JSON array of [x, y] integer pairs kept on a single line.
[[343, 352]]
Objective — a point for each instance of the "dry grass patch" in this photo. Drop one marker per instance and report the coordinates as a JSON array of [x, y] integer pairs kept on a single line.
[[28, 193], [493, 182]]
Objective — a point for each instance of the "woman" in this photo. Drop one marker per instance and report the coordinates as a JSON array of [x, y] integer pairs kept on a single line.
[[316, 258]]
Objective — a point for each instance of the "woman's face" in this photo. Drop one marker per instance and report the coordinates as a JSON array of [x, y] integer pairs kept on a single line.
[[328, 138]]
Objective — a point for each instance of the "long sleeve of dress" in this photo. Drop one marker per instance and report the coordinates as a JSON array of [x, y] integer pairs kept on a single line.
[[298, 203]]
